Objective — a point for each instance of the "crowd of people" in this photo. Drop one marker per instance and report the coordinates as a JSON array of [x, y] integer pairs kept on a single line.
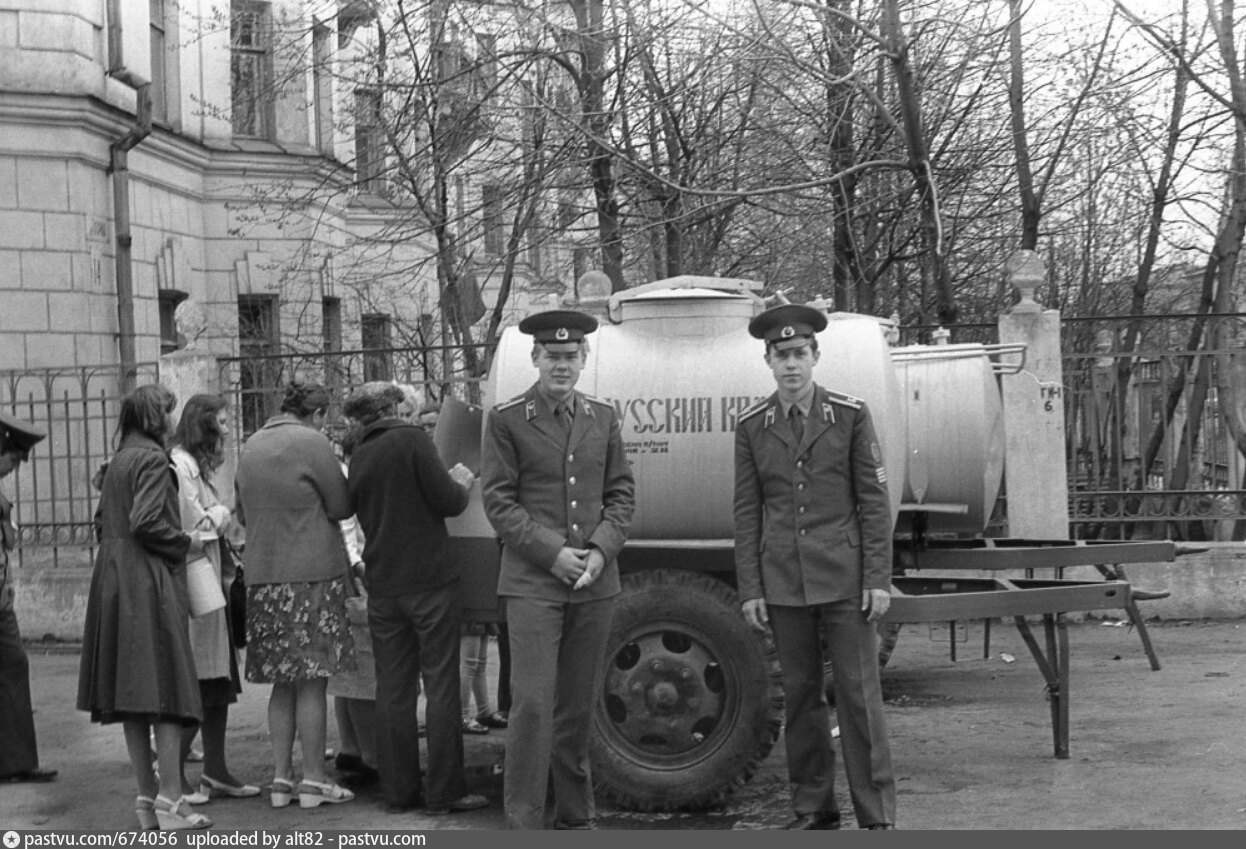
[[351, 587], [335, 602]]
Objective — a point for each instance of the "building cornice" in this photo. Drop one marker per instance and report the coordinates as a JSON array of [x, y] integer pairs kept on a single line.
[[63, 116]]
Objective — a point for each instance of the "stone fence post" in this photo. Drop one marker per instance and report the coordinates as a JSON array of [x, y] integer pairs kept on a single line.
[[1035, 471]]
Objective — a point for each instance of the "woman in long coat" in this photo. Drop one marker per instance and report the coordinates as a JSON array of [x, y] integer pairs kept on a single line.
[[137, 667]]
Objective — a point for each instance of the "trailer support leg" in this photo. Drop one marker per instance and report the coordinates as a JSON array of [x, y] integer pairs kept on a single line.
[[1054, 665]]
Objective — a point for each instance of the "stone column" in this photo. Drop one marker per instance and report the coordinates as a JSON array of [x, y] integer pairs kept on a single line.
[[1035, 472]]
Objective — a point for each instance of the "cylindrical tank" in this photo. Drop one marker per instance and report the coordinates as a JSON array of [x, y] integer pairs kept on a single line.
[[954, 434], [679, 366]]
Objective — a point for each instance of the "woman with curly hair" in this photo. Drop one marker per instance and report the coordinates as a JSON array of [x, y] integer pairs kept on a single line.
[[291, 496], [137, 667], [198, 451]]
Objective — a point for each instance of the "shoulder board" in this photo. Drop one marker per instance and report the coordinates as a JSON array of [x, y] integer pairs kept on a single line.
[[845, 400], [596, 401], [506, 405], [753, 410]]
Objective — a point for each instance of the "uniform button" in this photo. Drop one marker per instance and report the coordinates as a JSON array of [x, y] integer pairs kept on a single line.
[[802, 509], [802, 532], [574, 504], [801, 487], [571, 480], [570, 458], [576, 527]]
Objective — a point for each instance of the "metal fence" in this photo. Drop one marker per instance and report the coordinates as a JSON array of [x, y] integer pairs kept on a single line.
[[1147, 408], [255, 385], [1149, 452], [55, 502]]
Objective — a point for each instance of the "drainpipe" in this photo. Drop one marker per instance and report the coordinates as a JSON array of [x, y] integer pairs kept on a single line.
[[119, 169]]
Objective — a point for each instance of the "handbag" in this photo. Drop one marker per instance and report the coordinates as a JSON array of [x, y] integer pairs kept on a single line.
[[237, 595], [203, 587]]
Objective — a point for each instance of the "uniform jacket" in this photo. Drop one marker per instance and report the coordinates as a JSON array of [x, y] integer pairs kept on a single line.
[[401, 493], [812, 522], [291, 495], [542, 491], [8, 541]]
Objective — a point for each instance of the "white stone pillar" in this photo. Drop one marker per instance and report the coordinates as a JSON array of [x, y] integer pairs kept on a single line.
[[1035, 473]]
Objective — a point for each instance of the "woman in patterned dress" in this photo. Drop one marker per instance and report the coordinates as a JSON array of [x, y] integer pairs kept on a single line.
[[291, 496]]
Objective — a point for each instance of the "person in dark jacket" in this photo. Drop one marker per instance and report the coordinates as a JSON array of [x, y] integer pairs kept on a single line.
[[19, 752], [401, 493], [137, 665]]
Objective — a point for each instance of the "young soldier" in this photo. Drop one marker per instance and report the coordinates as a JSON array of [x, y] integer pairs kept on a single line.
[[813, 560], [558, 491]]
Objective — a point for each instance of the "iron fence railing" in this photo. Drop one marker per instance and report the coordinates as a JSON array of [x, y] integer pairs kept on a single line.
[[55, 502], [255, 385], [1149, 450]]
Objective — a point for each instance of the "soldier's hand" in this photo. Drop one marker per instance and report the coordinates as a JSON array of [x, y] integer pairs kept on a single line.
[[570, 564], [594, 565], [874, 603], [755, 614]]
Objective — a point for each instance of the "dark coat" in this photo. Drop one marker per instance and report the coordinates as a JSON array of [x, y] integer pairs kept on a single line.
[[543, 491], [402, 494], [812, 522], [136, 655]]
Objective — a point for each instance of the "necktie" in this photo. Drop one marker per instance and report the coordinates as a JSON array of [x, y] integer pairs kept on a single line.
[[798, 424], [563, 413]]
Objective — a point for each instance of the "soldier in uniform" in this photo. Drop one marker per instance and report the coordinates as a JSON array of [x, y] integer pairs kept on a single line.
[[559, 492], [813, 561], [19, 753]]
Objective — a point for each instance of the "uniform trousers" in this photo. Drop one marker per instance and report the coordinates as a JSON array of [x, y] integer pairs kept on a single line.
[[417, 635], [557, 665], [852, 646], [18, 750]]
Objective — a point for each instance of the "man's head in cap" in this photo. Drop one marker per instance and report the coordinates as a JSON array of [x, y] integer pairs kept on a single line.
[[559, 348], [16, 439], [791, 344]]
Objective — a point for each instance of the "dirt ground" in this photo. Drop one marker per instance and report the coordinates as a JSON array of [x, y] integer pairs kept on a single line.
[[971, 742]]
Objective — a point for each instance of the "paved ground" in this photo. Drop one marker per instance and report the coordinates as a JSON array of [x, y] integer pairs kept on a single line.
[[971, 741]]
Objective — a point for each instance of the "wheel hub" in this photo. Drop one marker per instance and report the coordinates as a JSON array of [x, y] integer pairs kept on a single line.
[[664, 693]]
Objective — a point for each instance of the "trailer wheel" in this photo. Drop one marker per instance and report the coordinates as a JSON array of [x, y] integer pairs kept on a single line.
[[691, 701]]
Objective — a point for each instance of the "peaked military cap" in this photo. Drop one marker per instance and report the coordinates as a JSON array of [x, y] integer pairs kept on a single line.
[[558, 326], [17, 433], [787, 322]]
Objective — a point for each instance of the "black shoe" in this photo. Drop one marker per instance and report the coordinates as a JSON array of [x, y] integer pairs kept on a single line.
[[816, 821], [492, 720], [470, 802], [346, 762], [29, 776], [365, 776], [881, 826]]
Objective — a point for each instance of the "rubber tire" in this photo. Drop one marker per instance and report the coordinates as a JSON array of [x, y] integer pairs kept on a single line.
[[653, 607]]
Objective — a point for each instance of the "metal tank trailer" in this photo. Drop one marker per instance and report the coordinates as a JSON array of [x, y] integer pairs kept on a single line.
[[691, 703]]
